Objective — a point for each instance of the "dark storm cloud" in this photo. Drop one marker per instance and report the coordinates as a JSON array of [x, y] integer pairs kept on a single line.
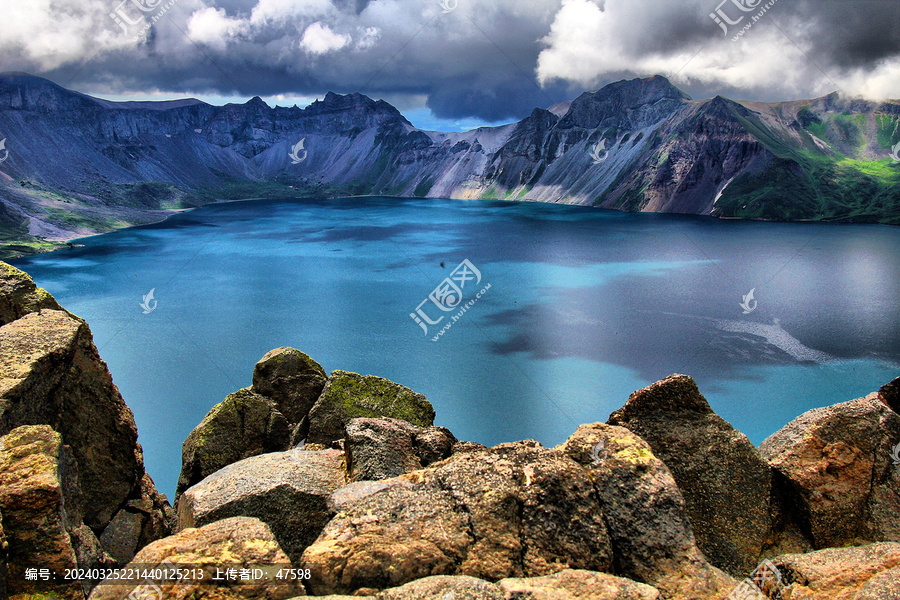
[[480, 59]]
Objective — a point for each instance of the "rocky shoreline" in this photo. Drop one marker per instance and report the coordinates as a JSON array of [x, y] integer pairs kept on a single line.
[[341, 486]]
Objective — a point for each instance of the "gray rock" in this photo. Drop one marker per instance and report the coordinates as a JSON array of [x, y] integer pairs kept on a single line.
[[645, 514], [121, 537], [494, 513], [384, 448], [245, 424], [291, 379], [836, 464], [288, 491], [725, 483], [349, 395]]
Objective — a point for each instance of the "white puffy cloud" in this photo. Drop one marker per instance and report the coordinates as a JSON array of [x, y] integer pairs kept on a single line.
[[214, 27], [320, 39]]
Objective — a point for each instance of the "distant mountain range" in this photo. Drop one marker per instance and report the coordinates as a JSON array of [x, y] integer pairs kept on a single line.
[[73, 165]]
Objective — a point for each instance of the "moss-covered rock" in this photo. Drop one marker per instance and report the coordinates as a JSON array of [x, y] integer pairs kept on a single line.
[[38, 509], [291, 379], [237, 543], [244, 424], [19, 295], [349, 395]]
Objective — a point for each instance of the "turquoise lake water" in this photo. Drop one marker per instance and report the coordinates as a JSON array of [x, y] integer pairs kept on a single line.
[[580, 307]]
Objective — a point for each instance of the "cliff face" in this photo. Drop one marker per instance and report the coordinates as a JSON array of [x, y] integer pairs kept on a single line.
[[78, 165]]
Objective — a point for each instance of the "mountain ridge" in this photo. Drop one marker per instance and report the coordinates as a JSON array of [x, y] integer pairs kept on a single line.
[[78, 165]]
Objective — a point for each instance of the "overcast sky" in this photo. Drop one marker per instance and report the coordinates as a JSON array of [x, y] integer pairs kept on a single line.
[[458, 65]]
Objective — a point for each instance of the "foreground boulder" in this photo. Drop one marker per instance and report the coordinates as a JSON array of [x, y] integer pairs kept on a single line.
[[291, 379], [384, 448], [565, 585], [245, 424], [837, 468], [51, 373], [645, 514], [506, 511], [577, 585], [725, 483], [348, 395], [230, 543], [864, 573], [39, 508], [288, 491], [19, 295]]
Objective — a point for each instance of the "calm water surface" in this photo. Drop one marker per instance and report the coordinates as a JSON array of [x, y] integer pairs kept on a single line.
[[584, 307]]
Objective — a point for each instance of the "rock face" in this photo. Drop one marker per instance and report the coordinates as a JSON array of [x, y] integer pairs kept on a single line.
[[50, 373], [864, 573], [291, 379], [287, 490], [146, 517], [384, 448], [838, 470], [349, 395], [231, 543], [19, 295], [645, 514], [244, 424], [725, 483], [506, 511], [38, 508], [890, 395]]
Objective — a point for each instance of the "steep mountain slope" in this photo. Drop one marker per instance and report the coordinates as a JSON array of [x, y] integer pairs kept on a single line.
[[78, 165]]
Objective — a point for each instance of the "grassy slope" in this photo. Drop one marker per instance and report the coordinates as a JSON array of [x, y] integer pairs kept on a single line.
[[807, 183]]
